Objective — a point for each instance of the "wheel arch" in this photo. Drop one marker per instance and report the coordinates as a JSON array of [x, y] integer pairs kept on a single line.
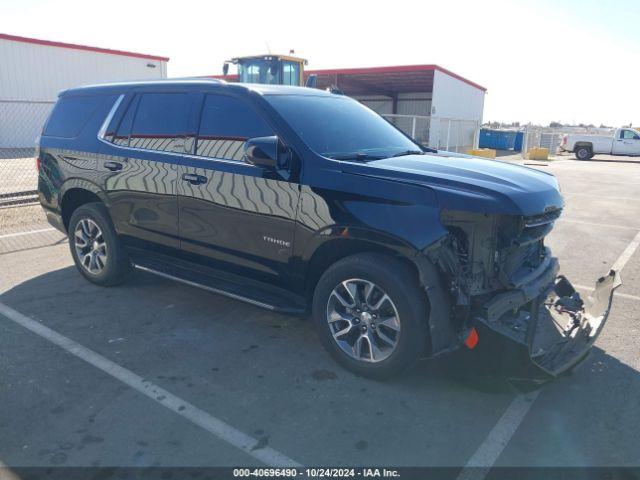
[[588, 145], [75, 194], [441, 332], [334, 244]]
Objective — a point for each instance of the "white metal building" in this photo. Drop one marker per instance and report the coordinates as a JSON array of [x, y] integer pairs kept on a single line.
[[33, 72]]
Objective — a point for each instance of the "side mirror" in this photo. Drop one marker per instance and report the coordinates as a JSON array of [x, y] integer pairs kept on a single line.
[[225, 69], [262, 152]]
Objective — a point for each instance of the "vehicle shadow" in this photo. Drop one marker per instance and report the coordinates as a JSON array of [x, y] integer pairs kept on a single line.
[[611, 160], [506, 153], [144, 296]]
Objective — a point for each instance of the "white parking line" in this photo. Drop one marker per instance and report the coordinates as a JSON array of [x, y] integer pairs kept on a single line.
[[626, 255], [617, 294], [485, 456], [159, 395], [29, 232], [6, 473], [493, 445]]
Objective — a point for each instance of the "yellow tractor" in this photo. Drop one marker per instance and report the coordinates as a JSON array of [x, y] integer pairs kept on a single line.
[[269, 69]]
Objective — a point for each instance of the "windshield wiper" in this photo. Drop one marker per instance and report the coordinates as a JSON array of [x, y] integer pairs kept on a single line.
[[408, 152], [356, 156]]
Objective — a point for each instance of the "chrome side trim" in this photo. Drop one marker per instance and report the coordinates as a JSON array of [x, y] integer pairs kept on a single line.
[[205, 287], [107, 121], [222, 160]]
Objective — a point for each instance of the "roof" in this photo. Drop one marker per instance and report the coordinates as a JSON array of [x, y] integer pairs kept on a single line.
[[119, 87], [123, 86], [73, 46], [388, 81], [271, 55]]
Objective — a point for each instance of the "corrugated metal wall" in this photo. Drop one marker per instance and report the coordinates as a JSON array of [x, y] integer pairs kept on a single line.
[[377, 103], [32, 75], [408, 103]]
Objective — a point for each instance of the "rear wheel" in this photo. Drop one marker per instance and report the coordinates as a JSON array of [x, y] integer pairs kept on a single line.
[[96, 249], [583, 153], [371, 315]]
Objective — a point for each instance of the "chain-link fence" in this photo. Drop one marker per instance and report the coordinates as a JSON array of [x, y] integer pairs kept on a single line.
[[534, 137], [551, 137], [451, 134], [20, 124], [22, 221]]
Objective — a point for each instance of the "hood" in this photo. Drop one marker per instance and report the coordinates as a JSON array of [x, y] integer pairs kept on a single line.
[[471, 183]]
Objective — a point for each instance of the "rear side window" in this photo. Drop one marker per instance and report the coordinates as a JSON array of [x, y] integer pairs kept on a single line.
[[226, 123], [71, 114], [160, 122], [121, 135]]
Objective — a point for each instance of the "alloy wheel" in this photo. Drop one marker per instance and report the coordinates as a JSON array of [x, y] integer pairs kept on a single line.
[[90, 246], [363, 320]]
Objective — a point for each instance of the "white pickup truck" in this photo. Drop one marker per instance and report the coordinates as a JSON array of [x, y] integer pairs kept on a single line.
[[625, 141]]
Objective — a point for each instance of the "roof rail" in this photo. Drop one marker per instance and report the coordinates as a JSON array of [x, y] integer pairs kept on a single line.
[[201, 77]]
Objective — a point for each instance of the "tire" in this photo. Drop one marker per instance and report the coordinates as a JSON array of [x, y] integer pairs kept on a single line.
[[103, 261], [583, 153], [406, 300]]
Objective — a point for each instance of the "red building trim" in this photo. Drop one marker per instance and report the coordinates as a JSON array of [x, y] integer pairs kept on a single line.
[[73, 46]]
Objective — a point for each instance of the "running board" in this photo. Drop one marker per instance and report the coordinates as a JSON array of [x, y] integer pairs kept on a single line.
[[263, 299]]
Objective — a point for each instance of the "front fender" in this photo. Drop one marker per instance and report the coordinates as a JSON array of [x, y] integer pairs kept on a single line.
[[404, 211]]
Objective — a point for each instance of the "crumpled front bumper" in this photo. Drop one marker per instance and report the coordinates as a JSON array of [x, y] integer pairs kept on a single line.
[[542, 329]]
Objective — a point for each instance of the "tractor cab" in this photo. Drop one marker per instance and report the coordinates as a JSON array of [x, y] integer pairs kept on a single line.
[[269, 69]]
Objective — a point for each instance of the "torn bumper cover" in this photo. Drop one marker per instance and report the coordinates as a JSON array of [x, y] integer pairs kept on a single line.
[[544, 328]]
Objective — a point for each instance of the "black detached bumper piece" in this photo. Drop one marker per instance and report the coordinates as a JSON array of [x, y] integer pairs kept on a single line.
[[544, 328]]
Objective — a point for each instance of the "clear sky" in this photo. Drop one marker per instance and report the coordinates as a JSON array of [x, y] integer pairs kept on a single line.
[[567, 60]]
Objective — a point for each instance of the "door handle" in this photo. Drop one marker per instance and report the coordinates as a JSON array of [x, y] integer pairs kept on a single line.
[[194, 179], [113, 166]]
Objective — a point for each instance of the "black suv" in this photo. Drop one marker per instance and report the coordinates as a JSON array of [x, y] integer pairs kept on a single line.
[[304, 201]]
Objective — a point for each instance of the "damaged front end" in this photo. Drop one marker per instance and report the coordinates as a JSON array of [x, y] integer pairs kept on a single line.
[[524, 320]]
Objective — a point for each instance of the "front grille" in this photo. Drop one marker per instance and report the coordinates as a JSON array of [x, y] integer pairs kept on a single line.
[[542, 218], [522, 258], [526, 252]]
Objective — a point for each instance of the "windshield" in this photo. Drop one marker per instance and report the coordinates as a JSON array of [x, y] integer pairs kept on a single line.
[[259, 71], [340, 127]]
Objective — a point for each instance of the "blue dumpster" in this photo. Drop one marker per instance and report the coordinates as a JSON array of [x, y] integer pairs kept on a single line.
[[517, 146], [498, 139]]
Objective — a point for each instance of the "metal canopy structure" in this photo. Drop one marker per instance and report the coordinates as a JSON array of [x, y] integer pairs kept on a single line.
[[387, 81]]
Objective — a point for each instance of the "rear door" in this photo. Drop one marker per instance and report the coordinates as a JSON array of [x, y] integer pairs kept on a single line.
[[627, 142], [143, 145], [233, 215]]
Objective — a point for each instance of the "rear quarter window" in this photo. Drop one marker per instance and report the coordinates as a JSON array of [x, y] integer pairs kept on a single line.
[[71, 114]]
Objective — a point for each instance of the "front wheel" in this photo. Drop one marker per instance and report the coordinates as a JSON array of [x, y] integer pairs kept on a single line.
[[96, 249], [371, 315]]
